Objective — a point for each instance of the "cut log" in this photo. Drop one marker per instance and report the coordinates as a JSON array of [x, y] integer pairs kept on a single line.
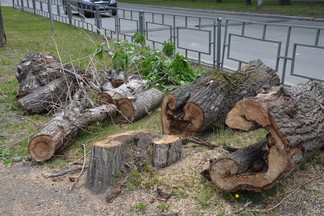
[[36, 70], [142, 105], [129, 89], [118, 154], [195, 107], [59, 131], [117, 78], [294, 119], [44, 95]]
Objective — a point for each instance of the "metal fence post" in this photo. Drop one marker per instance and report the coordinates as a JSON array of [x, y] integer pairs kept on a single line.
[[50, 12], [22, 5], [58, 10], [41, 5], [141, 22], [34, 6], [28, 4], [117, 26], [13, 3], [219, 39], [97, 20], [69, 12]]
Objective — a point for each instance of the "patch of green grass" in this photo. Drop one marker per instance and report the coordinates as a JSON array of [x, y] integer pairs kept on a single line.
[[138, 207], [163, 207], [269, 7], [135, 180]]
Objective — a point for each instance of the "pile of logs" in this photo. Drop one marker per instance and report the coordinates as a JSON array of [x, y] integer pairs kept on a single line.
[[195, 107], [44, 83]]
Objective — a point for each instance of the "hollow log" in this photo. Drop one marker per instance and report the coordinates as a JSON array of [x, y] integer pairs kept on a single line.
[[197, 106], [59, 131], [36, 70], [141, 105], [121, 153], [129, 89], [294, 119]]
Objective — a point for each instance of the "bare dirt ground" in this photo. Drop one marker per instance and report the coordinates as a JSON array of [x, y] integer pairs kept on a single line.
[[25, 190]]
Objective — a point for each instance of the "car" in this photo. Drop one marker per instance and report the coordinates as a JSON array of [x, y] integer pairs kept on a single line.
[[88, 7]]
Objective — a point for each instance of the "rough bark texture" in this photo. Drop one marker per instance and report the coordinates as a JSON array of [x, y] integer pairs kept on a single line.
[[118, 154], [36, 70], [198, 106], [117, 77], [133, 86], [294, 118], [44, 84], [58, 132], [141, 105], [3, 37]]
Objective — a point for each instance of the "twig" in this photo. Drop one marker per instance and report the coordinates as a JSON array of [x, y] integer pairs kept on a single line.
[[201, 141], [84, 162], [243, 207], [286, 197], [65, 172]]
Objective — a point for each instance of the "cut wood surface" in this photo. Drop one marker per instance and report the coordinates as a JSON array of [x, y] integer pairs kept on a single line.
[[294, 119], [141, 105], [121, 153], [195, 107], [133, 86], [117, 77], [59, 131]]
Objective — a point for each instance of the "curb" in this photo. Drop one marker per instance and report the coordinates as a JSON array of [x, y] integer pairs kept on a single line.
[[311, 19]]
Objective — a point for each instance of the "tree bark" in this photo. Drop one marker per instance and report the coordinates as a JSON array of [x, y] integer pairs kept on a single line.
[[284, 2], [129, 89], [117, 77], [294, 119], [59, 131], [36, 70], [121, 153], [141, 105], [3, 38], [195, 107]]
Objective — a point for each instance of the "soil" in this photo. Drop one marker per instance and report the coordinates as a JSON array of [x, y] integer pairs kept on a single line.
[[26, 190]]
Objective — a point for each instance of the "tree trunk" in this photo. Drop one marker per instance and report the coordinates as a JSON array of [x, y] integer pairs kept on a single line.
[[3, 38], [294, 119], [36, 70], [44, 85], [141, 105], [248, 2], [284, 2], [59, 131], [121, 153], [195, 107], [117, 77], [129, 89]]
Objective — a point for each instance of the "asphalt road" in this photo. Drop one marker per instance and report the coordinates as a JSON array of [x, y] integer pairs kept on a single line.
[[198, 36]]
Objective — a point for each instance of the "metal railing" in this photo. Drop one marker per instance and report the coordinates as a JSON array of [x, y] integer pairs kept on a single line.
[[205, 40]]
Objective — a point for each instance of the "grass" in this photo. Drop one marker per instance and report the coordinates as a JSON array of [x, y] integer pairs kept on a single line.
[[27, 32], [269, 7]]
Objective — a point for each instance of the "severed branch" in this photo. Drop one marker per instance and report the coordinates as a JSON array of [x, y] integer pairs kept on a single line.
[[66, 172], [83, 166], [201, 141]]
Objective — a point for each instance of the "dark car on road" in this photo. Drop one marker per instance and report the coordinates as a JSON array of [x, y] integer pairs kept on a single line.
[[88, 7]]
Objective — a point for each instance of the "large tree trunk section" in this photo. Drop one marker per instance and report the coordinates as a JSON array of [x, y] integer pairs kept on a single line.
[[44, 85], [294, 118], [118, 154], [58, 132], [47, 97], [36, 70], [3, 37], [129, 89], [195, 107], [117, 77], [142, 105]]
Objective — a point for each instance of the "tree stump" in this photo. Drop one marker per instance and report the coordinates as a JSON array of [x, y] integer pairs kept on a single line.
[[120, 153], [141, 105], [197, 106], [59, 131], [294, 119]]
